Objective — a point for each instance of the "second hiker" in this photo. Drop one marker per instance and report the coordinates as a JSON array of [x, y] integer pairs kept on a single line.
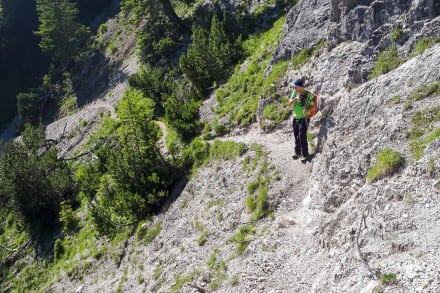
[[302, 102]]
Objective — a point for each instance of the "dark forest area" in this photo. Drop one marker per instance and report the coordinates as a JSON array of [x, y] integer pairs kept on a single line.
[[22, 62]]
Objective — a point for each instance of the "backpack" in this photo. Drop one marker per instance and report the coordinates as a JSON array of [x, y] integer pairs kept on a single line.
[[314, 109]]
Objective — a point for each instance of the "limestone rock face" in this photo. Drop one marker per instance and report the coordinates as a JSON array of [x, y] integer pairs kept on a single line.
[[369, 21]]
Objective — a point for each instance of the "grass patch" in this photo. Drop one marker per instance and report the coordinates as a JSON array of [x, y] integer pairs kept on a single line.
[[256, 201], [423, 44], [203, 238], [387, 163], [226, 150], [277, 111], [146, 233], [306, 54], [422, 92], [217, 268], [387, 61], [238, 98], [67, 106], [395, 100], [418, 146], [180, 281]]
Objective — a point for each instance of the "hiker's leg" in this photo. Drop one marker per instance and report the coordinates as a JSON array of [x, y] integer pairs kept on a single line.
[[303, 137], [295, 125]]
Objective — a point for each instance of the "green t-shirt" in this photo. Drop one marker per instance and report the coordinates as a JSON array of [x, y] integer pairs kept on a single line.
[[298, 109]]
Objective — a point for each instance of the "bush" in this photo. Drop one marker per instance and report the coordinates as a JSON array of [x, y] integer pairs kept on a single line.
[[387, 163]]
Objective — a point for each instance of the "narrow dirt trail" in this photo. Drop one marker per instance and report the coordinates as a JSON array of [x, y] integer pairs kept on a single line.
[[294, 224], [294, 175]]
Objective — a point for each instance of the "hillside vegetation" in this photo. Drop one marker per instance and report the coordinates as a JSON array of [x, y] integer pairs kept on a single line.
[[156, 154]]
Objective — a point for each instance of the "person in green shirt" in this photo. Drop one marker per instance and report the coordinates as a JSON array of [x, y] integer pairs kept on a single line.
[[302, 102]]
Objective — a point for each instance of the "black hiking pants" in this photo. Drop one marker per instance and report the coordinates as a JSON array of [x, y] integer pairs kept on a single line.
[[300, 133]]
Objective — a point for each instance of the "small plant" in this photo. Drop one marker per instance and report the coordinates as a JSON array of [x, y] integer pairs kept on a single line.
[[242, 237], [305, 54], [157, 272], [302, 57], [388, 279], [203, 238], [111, 47], [396, 34], [425, 90], [395, 100], [180, 281], [82, 123], [387, 163], [235, 280], [415, 133], [148, 233]]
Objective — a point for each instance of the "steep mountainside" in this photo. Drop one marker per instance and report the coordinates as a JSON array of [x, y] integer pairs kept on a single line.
[[330, 225]]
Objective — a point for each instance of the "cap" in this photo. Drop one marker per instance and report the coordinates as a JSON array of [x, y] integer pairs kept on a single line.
[[298, 82]]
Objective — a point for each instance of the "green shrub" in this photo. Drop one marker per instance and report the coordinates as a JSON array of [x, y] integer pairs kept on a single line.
[[387, 163], [28, 106], [387, 61]]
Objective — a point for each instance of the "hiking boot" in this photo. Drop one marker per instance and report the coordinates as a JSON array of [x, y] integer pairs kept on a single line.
[[295, 157], [304, 158]]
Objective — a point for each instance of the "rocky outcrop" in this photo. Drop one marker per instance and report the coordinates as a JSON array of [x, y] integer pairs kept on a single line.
[[369, 22], [397, 225]]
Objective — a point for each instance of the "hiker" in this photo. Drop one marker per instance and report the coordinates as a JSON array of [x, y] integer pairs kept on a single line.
[[302, 102]]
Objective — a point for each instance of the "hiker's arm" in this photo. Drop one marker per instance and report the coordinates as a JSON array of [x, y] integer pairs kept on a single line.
[[292, 102]]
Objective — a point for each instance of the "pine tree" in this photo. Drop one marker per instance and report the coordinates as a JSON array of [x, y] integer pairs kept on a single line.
[[197, 63], [136, 178], [61, 35], [35, 180]]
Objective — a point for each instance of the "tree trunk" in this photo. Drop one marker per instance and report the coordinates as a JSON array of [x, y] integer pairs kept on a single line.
[[170, 13]]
